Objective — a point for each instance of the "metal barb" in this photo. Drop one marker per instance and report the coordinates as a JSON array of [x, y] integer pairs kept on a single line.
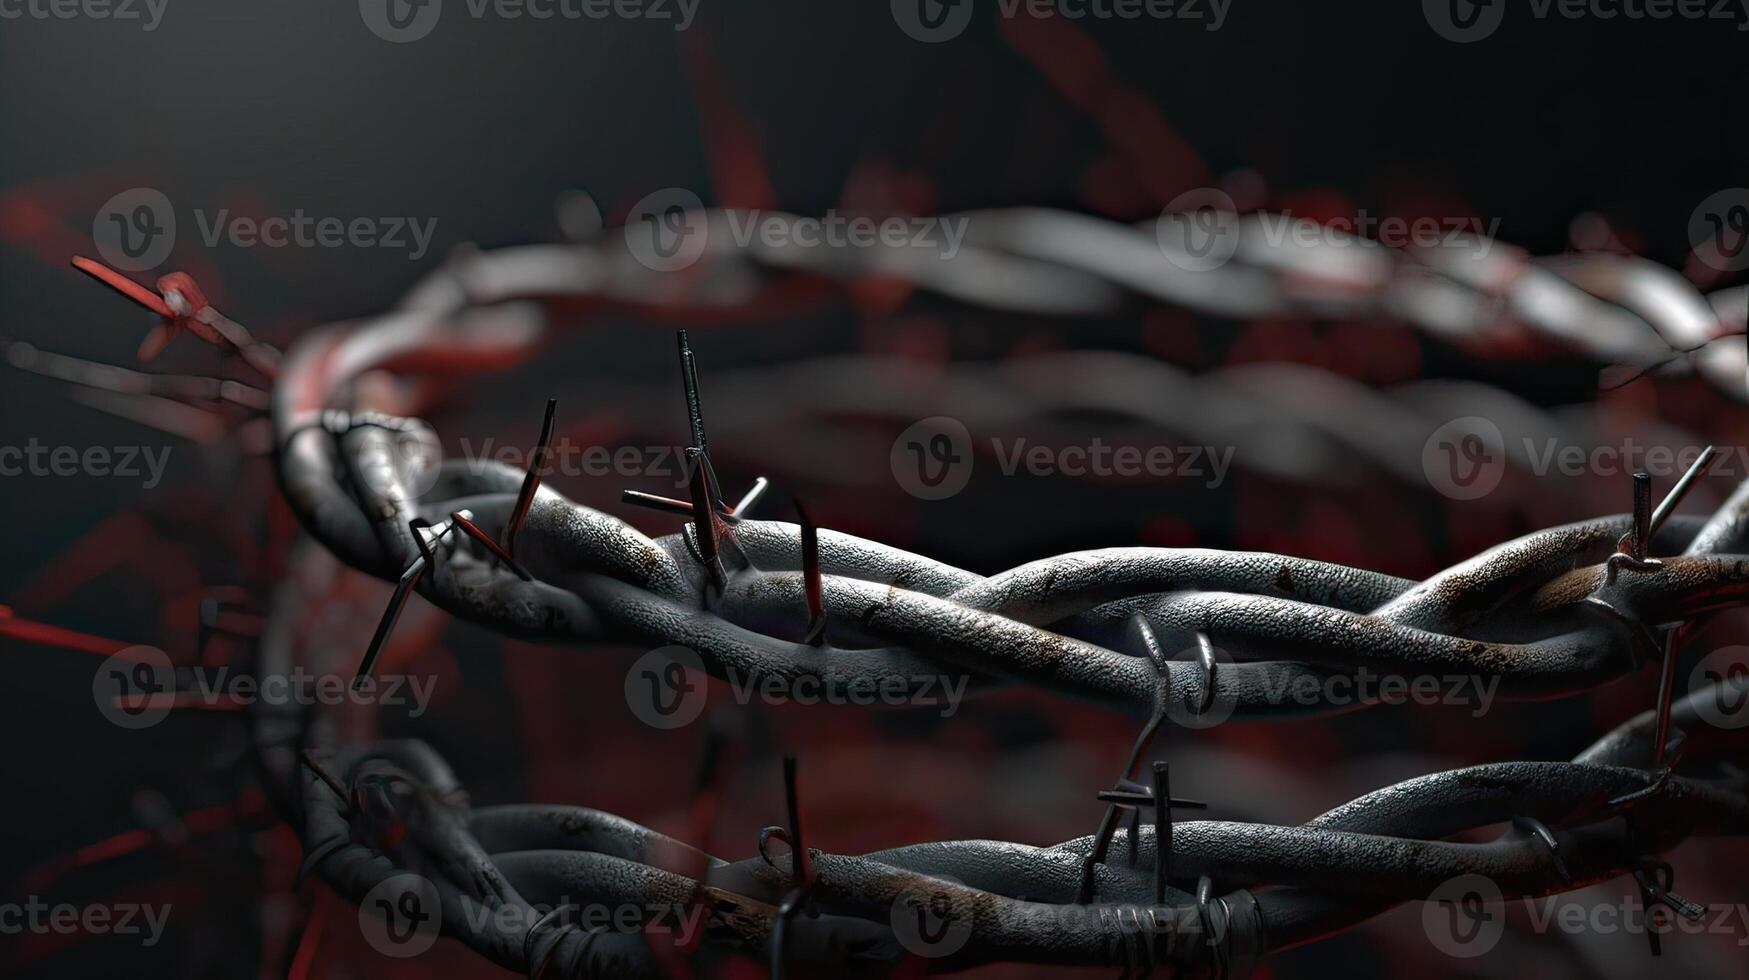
[[803, 865], [397, 602], [1205, 655], [1673, 499], [1539, 830], [530, 481], [123, 285], [1162, 694], [1162, 828], [655, 502], [1133, 794], [1642, 532], [689, 379], [751, 498], [473, 530], [325, 776], [1666, 693], [704, 518], [812, 588], [1096, 856]]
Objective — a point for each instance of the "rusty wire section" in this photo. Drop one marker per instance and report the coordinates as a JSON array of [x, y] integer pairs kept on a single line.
[[1180, 635]]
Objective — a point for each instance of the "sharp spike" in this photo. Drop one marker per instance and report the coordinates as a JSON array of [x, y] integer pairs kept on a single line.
[[472, 530], [1096, 856], [752, 497], [803, 864], [397, 602], [812, 585], [1673, 499], [1666, 693], [689, 379], [652, 501], [1642, 532], [123, 285], [704, 518], [1162, 828], [537, 462], [325, 776]]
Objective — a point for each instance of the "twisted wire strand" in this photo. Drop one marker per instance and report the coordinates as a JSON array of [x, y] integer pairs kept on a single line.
[[1544, 613]]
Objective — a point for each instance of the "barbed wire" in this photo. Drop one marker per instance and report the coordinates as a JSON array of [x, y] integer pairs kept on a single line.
[[1184, 634]]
